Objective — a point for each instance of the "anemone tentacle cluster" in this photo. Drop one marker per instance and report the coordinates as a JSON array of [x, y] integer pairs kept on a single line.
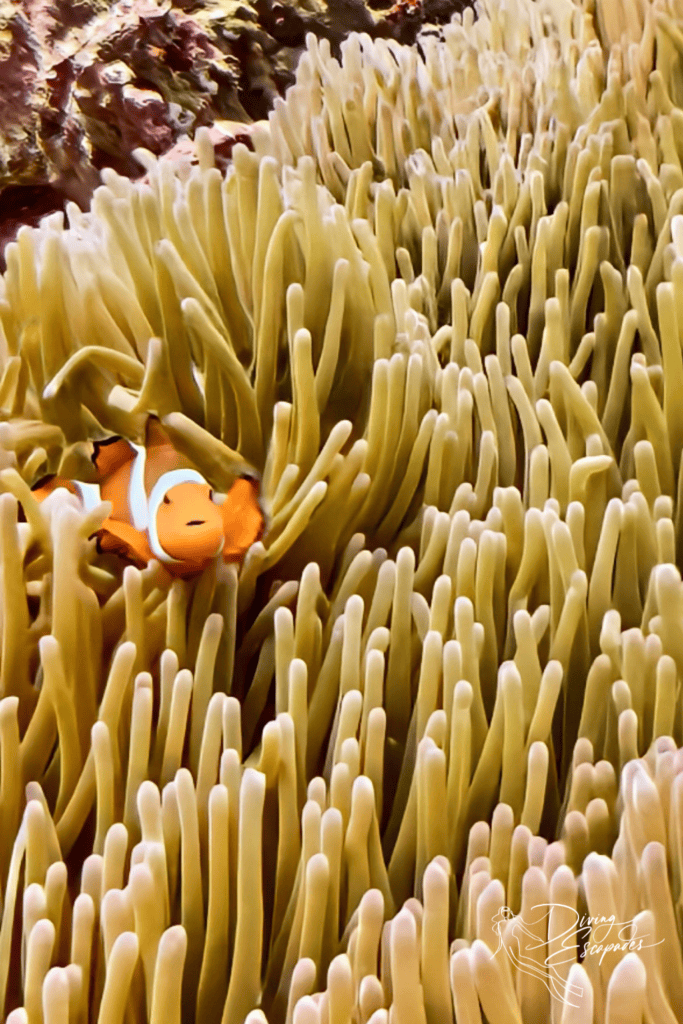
[[420, 760]]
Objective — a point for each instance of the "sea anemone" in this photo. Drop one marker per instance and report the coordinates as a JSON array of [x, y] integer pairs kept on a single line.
[[417, 760]]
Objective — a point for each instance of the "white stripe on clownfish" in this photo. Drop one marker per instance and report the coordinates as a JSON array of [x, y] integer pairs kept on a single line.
[[137, 496], [90, 495], [158, 493]]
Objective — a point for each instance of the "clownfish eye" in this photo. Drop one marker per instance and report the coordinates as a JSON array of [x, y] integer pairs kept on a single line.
[[167, 500]]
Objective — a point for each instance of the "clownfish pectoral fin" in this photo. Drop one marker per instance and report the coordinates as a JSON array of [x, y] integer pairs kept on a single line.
[[110, 455], [243, 521], [123, 539]]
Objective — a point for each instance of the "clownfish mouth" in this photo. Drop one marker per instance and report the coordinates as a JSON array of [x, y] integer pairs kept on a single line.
[[196, 522]]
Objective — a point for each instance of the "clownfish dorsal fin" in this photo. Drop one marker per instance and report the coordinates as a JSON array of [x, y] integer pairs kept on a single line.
[[110, 455], [155, 435], [162, 455]]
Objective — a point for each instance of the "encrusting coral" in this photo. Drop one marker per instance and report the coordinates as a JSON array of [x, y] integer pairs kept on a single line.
[[85, 83], [419, 760]]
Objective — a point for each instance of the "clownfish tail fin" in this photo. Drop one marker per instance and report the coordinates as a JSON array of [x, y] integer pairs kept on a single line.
[[43, 481], [47, 484]]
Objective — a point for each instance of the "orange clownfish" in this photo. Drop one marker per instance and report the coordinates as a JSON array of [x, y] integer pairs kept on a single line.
[[162, 507]]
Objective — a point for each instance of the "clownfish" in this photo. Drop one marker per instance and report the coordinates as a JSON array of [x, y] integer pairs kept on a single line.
[[162, 507]]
